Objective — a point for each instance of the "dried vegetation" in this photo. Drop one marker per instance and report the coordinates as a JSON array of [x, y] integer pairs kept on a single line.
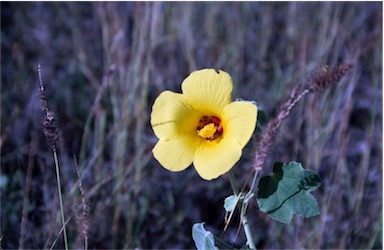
[[103, 64]]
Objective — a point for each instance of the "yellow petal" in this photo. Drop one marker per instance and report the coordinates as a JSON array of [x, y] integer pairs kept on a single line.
[[208, 90], [240, 121], [213, 159], [173, 117], [176, 155]]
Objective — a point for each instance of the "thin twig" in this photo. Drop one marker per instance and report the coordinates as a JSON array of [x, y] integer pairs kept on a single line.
[[243, 217]]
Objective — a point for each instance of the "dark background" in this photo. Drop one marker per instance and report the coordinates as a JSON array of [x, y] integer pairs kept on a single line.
[[103, 64]]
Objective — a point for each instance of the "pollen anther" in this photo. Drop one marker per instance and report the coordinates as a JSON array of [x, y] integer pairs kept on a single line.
[[207, 131], [209, 128]]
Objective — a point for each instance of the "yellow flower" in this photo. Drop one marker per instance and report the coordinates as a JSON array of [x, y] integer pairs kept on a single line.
[[202, 126]]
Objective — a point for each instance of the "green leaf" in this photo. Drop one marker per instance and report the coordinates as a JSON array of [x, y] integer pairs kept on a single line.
[[230, 203], [203, 239], [286, 192]]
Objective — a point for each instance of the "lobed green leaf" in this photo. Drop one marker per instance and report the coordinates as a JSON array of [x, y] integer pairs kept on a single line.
[[286, 192], [203, 239]]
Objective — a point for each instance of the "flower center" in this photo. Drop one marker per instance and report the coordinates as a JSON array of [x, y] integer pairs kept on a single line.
[[209, 128]]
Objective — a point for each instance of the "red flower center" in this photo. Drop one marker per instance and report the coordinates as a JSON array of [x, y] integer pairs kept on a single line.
[[210, 127]]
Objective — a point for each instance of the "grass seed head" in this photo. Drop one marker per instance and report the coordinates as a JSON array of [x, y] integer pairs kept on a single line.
[[327, 77]]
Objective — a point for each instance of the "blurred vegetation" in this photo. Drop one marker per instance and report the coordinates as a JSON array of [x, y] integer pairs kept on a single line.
[[103, 64]]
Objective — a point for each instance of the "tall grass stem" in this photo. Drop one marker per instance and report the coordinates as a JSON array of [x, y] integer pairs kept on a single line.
[[60, 198]]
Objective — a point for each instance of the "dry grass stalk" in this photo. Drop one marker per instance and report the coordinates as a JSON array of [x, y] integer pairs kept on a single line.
[[317, 82], [327, 77], [27, 190], [82, 219], [51, 132], [50, 128]]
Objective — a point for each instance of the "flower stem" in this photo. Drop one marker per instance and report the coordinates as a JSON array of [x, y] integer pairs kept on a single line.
[[233, 183], [60, 198], [242, 209], [248, 233]]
